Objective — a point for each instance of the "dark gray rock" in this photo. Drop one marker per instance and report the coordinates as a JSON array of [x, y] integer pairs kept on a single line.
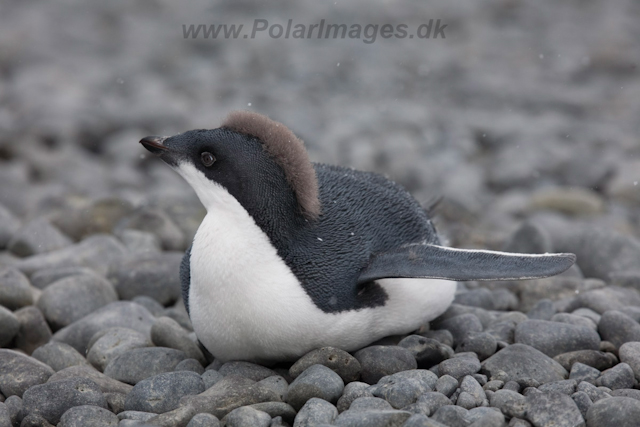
[[88, 416], [583, 402], [630, 354], [614, 411], [596, 359], [421, 420], [461, 326], [522, 361], [471, 387], [211, 377], [13, 405], [626, 392], [204, 420], [115, 401], [5, 417], [553, 338], [106, 384], [530, 238], [37, 237], [178, 417], [403, 388], [543, 310], [227, 394], [427, 351], [442, 336], [15, 291], [277, 384], [452, 416], [246, 369], [109, 343], [74, 297], [511, 403], [191, 365], [149, 274], [139, 242], [573, 319], [10, 326], [482, 343], [315, 411], [95, 252], [620, 376], [544, 409], [34, 330], [133, 366], [459, 367], [53, 399], [446, 385], [59, 356], [9, 225], [581, 372], [19, 372], [157, 222], [162, 393], [246, 416], [370, 403], [315, 381], [567, 387], [351, 392], [372, 418], [150, 304], [592, 391], [277, 410], [341, 362], [118, 314], [618, 328], [166, 332], [43, 278], [35, 420], [135, 415], [480, 297], [378, 361]]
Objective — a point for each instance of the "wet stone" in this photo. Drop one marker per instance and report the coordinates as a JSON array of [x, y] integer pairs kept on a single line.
[[59, 356], [315, 411], [315, 381], [88, 416], [162, 393], [379, 361], [166, 332], [335, 359], [246, 369], [107, 344], [34, 330], [614, 411], [15, 289], [620, 376]]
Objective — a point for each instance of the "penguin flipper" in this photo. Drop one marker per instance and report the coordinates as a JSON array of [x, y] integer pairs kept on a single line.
[[185, 277], [439, 262]]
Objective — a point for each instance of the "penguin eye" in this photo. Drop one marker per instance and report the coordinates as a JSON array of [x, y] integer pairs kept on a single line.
[[207, 158]]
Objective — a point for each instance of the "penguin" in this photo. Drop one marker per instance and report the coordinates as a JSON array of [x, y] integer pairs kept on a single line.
[[293, 255]]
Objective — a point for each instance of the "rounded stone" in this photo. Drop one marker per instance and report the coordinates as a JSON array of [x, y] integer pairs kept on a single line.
[[427, 351], [162, 393], [88, 416], [315, 411], [204, 420], [34, 330], [36, 237], [378, 361], [333, 358], [461, 326], [19, 372], [614, 411], [630, 354], [59, 356], [483, 344], [134, 365], [316, 381], [553, 338], [191, 365], [113, 342], [15, 289], [246, 416], [459, 367], [10, 326], [43, 278], [620, 376], [520, 361]]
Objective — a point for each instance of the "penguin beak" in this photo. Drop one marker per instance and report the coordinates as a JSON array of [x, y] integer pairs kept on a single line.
[[154, 144]]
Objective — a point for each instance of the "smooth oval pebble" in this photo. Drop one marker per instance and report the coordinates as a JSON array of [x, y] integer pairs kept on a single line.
[[315, 381], [553, 338], [162, 393], [335, 359], [88, 416], [614, 411], [113, 342], [134, 365], [378, 361]]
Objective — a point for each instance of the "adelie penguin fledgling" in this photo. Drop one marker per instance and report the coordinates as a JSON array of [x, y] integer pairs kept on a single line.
[[293, 255]]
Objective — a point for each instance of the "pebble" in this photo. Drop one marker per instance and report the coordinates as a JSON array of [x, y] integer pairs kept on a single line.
[[88, 416], [614, 411], [277, 384], [551, 408], [315, 381], [150, 304], [15, 291], [370, 403], [109, 343], [372, 418], [133, 365], [480, 297], [427, 351], [43, 278], [9, 225], [459, 367], [618, 328], [482, 343], [5, 418], [210, 378], [178, 417], [543, 310], [567, 387], [19, 372], [36, 237], [162, 393], [620, 376], [124, 314], [596, 359], [630, 354], [106, 384], [10, 326], [592, 391], [442, 336], [511, 403], [522, 361], [74, 297], [59, 355], [583, 402], [351, 392], [191, 365], [204, 420], [157, 222], [246, 369], [403, 388], [139, 242], [341, 362], [277, 410], [461, 326], [34, 330], [150, 274], [452, 416], [115, 401], [626, 392], [574, 319], [470, 386], [13, 405], [431, 401], [378, 361], [53, 399], [553, 338], [316, 411], [166, 332], [446, 385], [246, 416]]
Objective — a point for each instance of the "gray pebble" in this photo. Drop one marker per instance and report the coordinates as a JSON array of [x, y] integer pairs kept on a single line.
[[135, 415], [400, 392], [421, 420], [471, 386], [34, 330], [157, 222], [626, 392], [161, 393], [372, 418], [316, 411], [150, 304], [553, 409], [5, 417], [567, 387], [618, 328], [246, 369], [15, 291], [19, 372], [133, 366], [53, 399], [13, 405], [465, 400], [614, 411], [630, 354], [432, 401], [378, 361], [166, 332], [106, 384], [511, 403], [35, 420], [588, 313], [351, 392], [246, 416], [277, 384], [543, 310], [594, 393], [529, 238], [88, 416], [461, 326], [427, 378], [484, 416], [493, 385], [427, 351], [315, 381], [178, 417], [72, 298], [459, 367], [446, 385], [109, 343], [179, 314], [191, 365], [211, 377], [442, 336], [482, 343], [9, 225], [37, 237], [338, 360], [620, 376], [204, 420], [452, 416], [115, 401], [59, 355], [553, 338], [149, 274], [583, 402], [124, 314], [596, 359], [522, 361], [43, 278], [277, 410], [480, 297], [139, 242], [10, 326], [370, 403], [512, 385], [502, 331], [573, 319]]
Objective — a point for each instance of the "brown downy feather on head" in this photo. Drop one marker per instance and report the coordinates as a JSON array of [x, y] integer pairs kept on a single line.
[[287, 150]]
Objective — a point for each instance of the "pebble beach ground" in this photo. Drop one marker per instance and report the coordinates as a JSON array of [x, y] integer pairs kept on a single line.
[[525, 118]]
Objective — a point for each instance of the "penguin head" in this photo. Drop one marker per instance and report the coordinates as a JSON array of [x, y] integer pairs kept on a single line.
[[250, 156]]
